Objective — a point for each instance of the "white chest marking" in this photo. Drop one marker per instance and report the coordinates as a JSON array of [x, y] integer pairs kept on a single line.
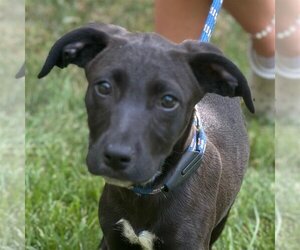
[[145, 238]]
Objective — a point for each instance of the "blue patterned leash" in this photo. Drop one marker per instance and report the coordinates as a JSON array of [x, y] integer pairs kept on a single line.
[[211, 20]]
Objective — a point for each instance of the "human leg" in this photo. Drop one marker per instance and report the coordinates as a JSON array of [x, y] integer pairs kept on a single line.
[[178, 20]]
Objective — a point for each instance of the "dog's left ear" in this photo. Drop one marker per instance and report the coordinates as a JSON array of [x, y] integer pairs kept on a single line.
[[81, 45], [215, 73]]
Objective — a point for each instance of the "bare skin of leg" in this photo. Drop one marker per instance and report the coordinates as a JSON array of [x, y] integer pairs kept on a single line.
[[287, 12], [254, 16], [181, 19]]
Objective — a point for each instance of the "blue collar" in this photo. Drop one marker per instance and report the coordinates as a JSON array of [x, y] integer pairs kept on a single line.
[[188, 164]]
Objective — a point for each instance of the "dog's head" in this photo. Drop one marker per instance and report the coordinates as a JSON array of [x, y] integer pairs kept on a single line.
[[141, 93]]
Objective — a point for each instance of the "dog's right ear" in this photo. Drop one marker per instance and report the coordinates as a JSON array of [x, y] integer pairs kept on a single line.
[[215, 73], [80, 46]]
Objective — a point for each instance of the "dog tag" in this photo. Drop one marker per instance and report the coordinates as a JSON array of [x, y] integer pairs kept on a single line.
[[188, 164]]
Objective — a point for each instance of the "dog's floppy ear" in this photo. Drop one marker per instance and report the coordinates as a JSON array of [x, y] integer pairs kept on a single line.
[[80, 46], [216, 74]]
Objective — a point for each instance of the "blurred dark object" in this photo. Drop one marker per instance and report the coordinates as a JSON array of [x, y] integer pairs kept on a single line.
[[21, 72]]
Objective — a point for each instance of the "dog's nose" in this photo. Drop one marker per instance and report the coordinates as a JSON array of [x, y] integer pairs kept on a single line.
[[117, 156]]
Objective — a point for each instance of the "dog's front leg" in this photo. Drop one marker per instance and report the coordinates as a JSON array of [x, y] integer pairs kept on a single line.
[[102, 245], [121, 244], [188, 243]]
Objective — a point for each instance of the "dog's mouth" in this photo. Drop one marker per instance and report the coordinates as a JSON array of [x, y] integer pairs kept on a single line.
[[151, 180], [130, 184], [118, 183]]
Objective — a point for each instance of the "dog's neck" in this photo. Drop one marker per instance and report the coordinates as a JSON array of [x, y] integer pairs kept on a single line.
[[181, 163], [187, 137], [179, 149]]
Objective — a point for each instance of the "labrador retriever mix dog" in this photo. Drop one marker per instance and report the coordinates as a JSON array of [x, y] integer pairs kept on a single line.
[[166, 133]]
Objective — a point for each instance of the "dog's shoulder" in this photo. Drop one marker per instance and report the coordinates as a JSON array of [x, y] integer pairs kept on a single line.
[[224, 123]]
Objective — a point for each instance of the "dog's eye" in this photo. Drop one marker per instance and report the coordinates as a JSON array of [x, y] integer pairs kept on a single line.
[[169, 102], [103, 88]]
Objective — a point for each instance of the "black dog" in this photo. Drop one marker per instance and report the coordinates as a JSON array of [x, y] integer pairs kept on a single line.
[[142, 103]]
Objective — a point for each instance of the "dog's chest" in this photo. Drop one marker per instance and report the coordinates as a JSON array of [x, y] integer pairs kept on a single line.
[[145, 239]]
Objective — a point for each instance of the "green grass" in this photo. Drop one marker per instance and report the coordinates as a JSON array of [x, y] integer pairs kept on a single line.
[[287, 186], [61, 196], [12, 118]]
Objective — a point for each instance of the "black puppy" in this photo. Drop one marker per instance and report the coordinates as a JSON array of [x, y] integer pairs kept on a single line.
[[143, 105]]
